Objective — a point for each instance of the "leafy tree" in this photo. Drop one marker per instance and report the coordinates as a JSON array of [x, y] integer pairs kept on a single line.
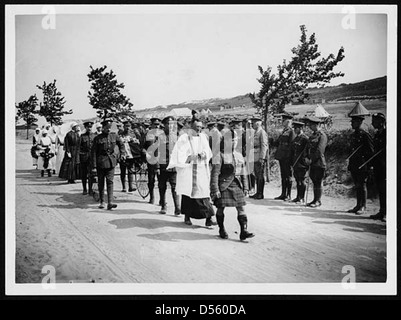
[[106, 97], [26, 111], [53, 104], [292, 78]]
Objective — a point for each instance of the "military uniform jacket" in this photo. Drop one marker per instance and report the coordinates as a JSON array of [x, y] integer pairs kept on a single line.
[[360, 138], [316, 148], [380, 144], [165, 147], [224, 173], [85, 146], [284, 144], [298, 151], [260, 145], [103, 150]]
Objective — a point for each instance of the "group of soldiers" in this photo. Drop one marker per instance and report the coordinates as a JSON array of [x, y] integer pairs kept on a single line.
[[300, 156]]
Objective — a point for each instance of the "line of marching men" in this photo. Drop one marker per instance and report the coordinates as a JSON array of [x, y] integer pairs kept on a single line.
[[222, 162]]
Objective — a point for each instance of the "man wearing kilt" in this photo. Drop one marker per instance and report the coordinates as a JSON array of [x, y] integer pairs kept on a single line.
[[297, 160], [229, 184]]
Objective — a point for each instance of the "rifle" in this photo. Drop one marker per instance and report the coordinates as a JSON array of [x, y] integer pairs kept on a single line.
[[366, 162], [300, 155], [354, 152]]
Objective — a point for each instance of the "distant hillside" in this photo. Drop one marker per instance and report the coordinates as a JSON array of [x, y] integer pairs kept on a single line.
[[374, 88]]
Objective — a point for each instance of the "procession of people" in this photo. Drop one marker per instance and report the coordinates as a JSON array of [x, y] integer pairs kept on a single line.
[[209, 166]]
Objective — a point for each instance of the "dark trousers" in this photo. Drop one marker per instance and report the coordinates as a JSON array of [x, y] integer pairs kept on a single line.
[[299, 175], [317, 175], [360, 178], [107, 174], [285, 172], [127, 166], [86, 175], [151, 177], [380, 179], [259, 169], [170, 177]]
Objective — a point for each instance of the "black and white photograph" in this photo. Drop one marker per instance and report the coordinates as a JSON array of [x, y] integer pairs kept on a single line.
[[201, 150]]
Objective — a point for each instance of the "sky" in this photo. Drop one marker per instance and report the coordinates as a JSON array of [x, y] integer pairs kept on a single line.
[[165, 57]]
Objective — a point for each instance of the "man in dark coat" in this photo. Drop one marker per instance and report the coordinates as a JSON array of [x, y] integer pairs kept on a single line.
[[316, 159], [297, 160], [104, 160], [84, 157], [70, 166], [166, 144], [283, 156], [361, 150], [379, 162]]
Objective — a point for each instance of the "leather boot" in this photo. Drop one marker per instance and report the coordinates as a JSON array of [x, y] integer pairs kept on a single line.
[[243, 222], [283, 191], [297, 198], [177, 207], [222, 231], [42, 173], [288, 191]]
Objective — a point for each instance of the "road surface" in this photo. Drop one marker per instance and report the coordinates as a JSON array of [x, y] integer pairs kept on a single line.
[[56, 225]]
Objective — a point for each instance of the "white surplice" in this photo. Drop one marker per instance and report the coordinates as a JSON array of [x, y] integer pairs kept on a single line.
[[193, 179]]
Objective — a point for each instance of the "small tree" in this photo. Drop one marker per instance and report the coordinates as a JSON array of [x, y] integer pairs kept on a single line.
[[53, 104], [106, 97], [292, 78], [26, 111]]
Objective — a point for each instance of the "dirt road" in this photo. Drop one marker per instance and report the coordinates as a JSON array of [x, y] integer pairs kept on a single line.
[[57, 225]]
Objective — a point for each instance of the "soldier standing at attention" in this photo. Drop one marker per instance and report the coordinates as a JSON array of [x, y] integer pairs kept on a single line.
[[298, 164], [379, 162], [283, 156], [361, 150], [104, 160], [261, 147], [315, 158], [150, 148], [84, 157]]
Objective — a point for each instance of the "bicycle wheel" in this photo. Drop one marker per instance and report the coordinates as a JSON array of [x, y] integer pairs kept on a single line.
[[141, 180]]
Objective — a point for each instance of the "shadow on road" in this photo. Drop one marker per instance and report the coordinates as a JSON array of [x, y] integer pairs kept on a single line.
[[176, 236], [356, 226], [151, 224]]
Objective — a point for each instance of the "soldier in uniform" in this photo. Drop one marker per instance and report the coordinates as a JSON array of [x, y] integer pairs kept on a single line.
[[260, 147], [315, 158], [361, 150], [166, 144], [104, 160], [84, 157], [133, 153], [283, 156], [150, 148], [379, 162], [298, 164], [249, 133]]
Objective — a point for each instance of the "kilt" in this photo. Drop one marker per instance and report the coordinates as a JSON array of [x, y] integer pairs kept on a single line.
[[196, 208], [233, 196]]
